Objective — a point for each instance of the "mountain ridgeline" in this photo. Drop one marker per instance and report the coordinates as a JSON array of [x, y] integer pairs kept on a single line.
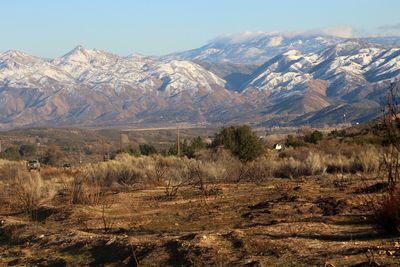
[[268, 79]]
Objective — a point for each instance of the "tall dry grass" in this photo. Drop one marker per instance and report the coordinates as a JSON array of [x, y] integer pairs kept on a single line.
[[91, 182], [368, 159], [315, 164], [310, 161], [128, 172], [124, 173], [23, 190]]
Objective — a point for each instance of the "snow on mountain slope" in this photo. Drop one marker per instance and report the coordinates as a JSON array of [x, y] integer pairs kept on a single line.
[[97, 88], [91, 86], [350, 71], [18, 69], [258, 47], [255, 48], [385, 65], [345, 66], [185, 76], [95, 67], [284, 72]]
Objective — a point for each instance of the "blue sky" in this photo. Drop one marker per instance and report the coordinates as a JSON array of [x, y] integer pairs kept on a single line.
[[50, 28]]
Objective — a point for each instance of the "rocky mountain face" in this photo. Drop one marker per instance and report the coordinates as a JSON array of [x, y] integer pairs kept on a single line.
[[301, 80], [255, 48], [92, 87], [349, 79]]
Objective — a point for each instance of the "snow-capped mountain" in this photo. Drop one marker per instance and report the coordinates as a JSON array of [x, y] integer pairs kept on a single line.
[[97, 67], [93, 87], [256, 48], [22, 70], [349, 72], [303, 80], [345, 66]]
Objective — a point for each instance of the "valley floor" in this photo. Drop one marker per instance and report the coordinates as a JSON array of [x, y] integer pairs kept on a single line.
[[315, 221]]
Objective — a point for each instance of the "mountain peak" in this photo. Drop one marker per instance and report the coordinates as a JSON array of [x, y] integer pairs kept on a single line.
[[257, 47], [95, 87], [16, 56], [241, 37], [79, 47], [137, 56], [82, 55], [15, 53], [78, 54], [350, 46], [359, 43]]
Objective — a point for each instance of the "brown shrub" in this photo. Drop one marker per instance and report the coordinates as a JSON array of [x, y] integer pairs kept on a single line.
[[26, 191], [330, 147], [176, 176], [161, 168], [171, 187], [124, 173], [368, 159], [338, 164], [349, 150], [85, 191], [220, 165], [79, 188], [289, 168], [314, 164], [259, 170], [388, 213], [8, 169], [299, 153]]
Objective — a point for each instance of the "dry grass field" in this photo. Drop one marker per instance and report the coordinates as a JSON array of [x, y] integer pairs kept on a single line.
[[309, 206]]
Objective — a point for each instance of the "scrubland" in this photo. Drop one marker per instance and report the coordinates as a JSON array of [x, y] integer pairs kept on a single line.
[[314, 205]]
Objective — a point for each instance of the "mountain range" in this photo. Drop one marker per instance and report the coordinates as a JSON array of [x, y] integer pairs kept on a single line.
[[262, 79]]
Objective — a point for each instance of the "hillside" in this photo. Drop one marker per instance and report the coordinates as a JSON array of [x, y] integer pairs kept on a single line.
[[308, 83]]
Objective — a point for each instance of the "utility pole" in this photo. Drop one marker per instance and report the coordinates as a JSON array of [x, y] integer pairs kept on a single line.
[[178, 141], [120, 142], [123, 140], [103, 150], [80, 156]]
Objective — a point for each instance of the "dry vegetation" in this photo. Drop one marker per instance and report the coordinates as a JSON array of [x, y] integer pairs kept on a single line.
[[299, 207]]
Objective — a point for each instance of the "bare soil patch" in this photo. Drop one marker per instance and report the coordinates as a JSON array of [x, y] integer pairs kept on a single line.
[[304, 222]]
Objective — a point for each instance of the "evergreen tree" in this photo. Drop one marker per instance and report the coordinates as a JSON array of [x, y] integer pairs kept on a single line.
[[241, 141], [147, 149]]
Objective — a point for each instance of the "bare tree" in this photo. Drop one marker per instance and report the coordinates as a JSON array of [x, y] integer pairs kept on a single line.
[[391, 123], [387, 213], [107, 221]]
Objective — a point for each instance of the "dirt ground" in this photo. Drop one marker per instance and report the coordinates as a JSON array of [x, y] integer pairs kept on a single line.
[[314, 221]]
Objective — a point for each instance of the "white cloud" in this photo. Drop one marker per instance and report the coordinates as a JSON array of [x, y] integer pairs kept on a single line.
[[338, 31], [242, 37], [388, 30], [390, 27]]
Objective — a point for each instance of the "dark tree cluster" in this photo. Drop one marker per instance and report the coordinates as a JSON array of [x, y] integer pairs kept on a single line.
[[241, 141]]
